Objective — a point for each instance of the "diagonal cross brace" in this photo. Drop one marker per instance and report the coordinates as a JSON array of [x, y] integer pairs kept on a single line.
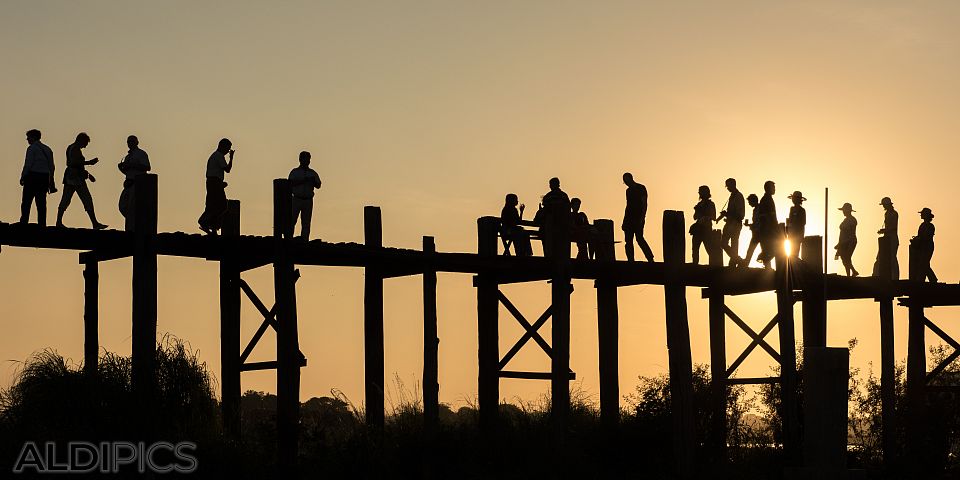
[[758, 339], [531, 330], [269, 319], [950, 358]]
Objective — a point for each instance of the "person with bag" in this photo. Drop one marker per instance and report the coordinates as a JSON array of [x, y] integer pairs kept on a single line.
[[36, 178], [75, 181], [134, 164], [216, 202], [704, 215]]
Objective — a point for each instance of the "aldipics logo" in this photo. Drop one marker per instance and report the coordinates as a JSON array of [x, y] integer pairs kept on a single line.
[[106, 457]]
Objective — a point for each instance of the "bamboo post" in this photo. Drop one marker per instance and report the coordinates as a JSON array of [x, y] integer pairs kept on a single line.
[[288, 348], [230, 322], [373, 323], [608, 330], [678, 344], [144, 336]]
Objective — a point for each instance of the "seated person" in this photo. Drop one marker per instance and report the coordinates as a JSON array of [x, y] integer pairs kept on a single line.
[[582, 231], [510, 230]]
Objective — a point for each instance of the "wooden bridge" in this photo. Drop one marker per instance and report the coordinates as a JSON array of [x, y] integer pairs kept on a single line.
[[794, 280]]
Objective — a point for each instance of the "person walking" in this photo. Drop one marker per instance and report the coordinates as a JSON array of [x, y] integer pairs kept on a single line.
[[888, 233], [753, 201], [135, 163], [216, 202], [923, 245], [634, 218], [704, 215], [733, 216], [36, 178], [848, 240], [303, 181], [771, 233], [75, 178]]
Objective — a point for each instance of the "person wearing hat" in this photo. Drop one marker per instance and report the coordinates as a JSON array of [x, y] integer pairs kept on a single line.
[[848, 240], [771, 235], [923, 245], [704, 214], [889, 234], [796, 223]]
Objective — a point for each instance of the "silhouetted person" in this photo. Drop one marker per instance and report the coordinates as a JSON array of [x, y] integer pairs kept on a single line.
[[753, 201], [796, 223], [704, 214], [75, 181], [303, 181], [135, 163], [923, 246], [554, 214], [36, 178], [771, 235], [733, 216], [891, 219], [511, 233], [216, 202], [848, 240], [635, 217], [582, 231]]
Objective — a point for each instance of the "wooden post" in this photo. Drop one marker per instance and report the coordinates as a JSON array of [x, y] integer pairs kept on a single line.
[[560, 289], [373, 323], [288, 348], [788, 361], [608, 331], [230, 322], [488, 348], [888, 365], [718, 364], [91, 337], [916, 371], [144, 337], [814, 298], [678, 344], [826, 376], [431, 385]]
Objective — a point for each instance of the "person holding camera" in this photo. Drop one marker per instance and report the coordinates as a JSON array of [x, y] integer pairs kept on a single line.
[[216, 202], [75, 181]]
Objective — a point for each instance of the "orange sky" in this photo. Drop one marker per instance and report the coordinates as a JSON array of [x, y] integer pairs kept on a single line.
[[434, 111]]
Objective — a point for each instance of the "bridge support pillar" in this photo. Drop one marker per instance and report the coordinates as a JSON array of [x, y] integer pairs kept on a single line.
[[91, 317], [288, 348], [788, 360], [608, 332], [488, 347], [718, 365], [431, 343], [230, 322], [144, 336], [373, 324]]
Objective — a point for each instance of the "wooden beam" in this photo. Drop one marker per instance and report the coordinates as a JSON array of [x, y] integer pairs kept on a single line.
[[288, 348], [534, 375], [788, 361], [678, 345], [373, 323], [230, 360], [608, 326], [753, 381], [531, 332], [718, 365], [144, 336], [757, 338], [560, 289], [488, 356], [431, 341], [91, 314]]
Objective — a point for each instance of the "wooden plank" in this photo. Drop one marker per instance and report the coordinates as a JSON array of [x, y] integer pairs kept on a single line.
[[678, 345], [373, 323], [753, 381], [534, 375]]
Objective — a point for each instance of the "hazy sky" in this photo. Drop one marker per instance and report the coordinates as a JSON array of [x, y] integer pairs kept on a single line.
[[434, 111]]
